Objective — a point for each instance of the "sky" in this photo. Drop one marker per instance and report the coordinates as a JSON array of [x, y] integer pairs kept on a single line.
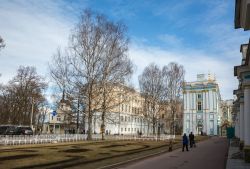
[[197, 34]]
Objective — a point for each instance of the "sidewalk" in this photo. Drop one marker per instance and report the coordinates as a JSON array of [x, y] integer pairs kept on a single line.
[[235, 157], [210, 154]]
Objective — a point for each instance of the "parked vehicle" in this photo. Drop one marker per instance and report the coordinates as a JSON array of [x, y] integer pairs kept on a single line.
[[21, 130], [7, 130]]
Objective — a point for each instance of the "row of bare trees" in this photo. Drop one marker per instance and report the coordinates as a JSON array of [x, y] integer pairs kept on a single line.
[[91, 73], [96, 60], [21, 96], [161, 89]]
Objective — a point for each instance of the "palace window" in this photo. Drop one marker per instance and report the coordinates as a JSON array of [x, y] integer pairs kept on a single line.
[[199, 96], [199, 105]]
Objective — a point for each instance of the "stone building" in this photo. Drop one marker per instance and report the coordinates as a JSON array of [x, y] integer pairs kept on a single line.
[[227, 116], [242, 102], [242, 72], [126, 117], [201, 106]]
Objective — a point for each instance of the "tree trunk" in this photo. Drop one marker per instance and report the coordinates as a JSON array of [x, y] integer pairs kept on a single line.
[[90, 116], [148, 127], [103, 113], [89, 126]]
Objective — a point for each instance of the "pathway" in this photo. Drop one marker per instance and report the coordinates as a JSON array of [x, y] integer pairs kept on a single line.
[[209, 154]]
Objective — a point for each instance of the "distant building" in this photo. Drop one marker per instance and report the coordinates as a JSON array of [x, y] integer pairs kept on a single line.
[[60, 120], [227, 116], [201, 106], [227, 111], [126, 117]]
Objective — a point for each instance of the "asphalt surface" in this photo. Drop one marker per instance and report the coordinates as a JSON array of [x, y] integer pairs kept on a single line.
[[209, 154]]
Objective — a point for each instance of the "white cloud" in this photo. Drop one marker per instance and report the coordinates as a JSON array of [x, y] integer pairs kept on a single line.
[[32, 32], [171, 40]]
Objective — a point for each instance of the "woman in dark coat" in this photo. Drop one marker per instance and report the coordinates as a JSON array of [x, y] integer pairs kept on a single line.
[[185, 142]]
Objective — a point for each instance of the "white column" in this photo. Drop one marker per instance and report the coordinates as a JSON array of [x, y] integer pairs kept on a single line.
[[241, 120], [247, 116], [237, 126]]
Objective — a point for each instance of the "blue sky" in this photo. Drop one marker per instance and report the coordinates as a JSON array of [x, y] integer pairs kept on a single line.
[[198, 34]]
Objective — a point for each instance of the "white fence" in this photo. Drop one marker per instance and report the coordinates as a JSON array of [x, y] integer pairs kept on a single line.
[[57, 138]]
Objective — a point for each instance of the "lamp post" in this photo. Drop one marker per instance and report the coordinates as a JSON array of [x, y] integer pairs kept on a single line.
[[32, 112]]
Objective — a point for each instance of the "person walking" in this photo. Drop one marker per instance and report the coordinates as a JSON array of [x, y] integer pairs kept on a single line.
[[185, 142], [191, 139]]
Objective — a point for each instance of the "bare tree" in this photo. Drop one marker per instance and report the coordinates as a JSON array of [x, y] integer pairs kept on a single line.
[[99, 59], [59, 70], [21, 97], [2, 44], [151, 86], [173, 75], [96, 63], [44, 111], [116, 67]]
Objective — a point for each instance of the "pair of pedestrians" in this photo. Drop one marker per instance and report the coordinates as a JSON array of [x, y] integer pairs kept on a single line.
[[185, 141]]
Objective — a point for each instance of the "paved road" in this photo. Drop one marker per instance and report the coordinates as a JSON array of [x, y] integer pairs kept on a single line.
[[210, 154]]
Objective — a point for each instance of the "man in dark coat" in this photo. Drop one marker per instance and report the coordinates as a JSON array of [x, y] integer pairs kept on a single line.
[[185, 142], [191, 139]]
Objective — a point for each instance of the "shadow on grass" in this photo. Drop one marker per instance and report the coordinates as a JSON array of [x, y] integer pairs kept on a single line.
[[80, 150], [119, 145], [77, 161], [131, 150], [19, 150], [15, 157]]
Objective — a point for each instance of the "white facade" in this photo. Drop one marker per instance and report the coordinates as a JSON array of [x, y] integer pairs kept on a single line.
[[122, 123], [201, 106], [243, 97], [125, 118]]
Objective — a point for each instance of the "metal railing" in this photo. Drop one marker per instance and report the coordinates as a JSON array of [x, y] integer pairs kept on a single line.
[[59, 138]]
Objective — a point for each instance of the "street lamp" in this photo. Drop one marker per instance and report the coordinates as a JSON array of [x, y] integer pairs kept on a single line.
[[32, 112]]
